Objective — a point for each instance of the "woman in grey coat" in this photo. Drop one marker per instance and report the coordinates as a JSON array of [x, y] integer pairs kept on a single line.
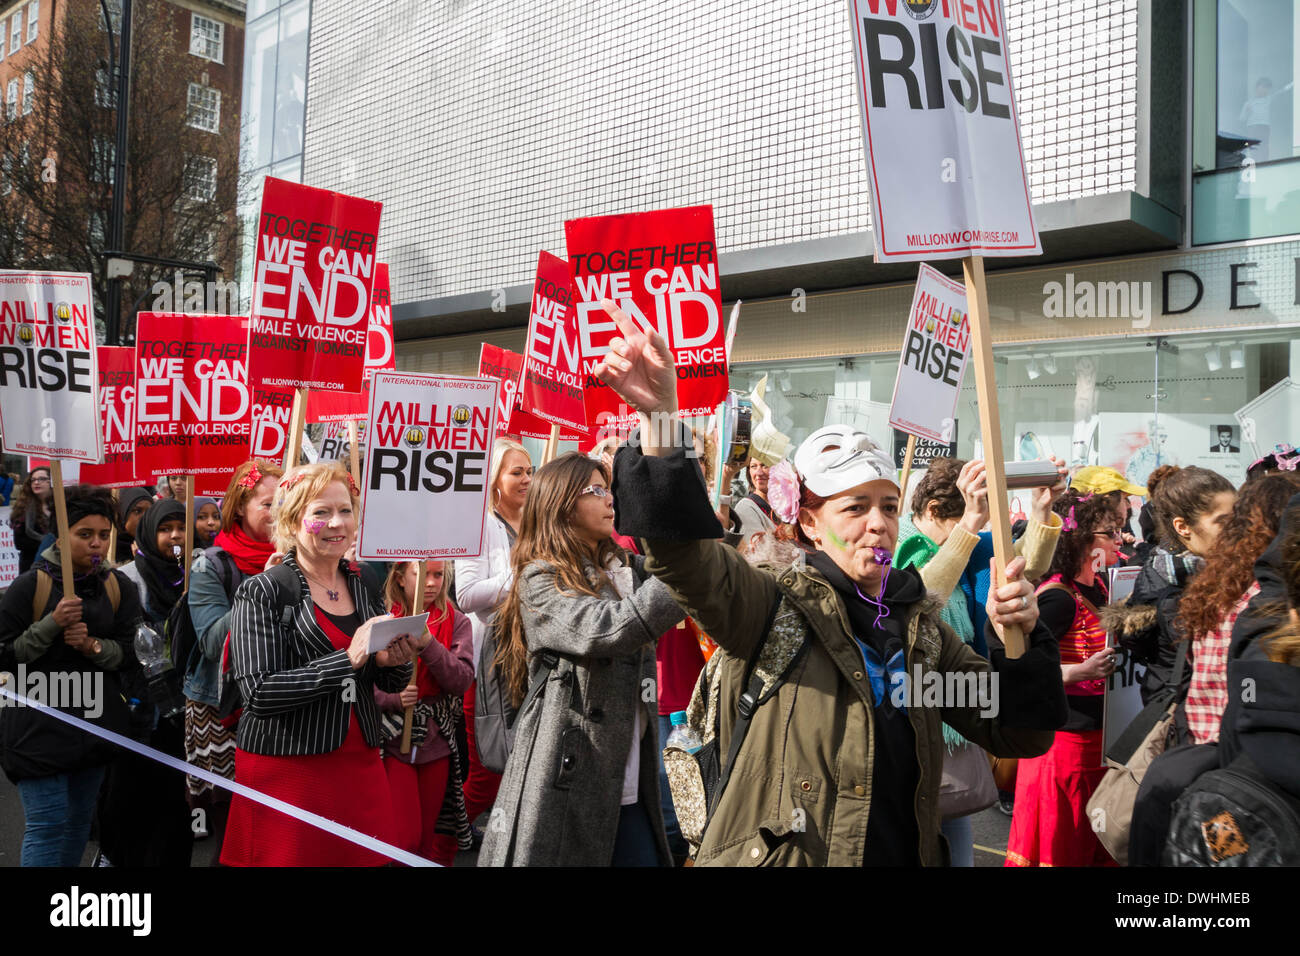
[[576, 634]]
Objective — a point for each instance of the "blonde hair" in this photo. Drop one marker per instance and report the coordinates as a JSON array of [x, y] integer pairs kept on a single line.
[[500, 448], [301, 485], [395, 592]]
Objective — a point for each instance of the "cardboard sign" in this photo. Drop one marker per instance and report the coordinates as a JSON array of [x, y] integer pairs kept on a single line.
[[8, 551], [1123, 694], [507, 367], [48, 366], [117, 418], [946, 168], [933, 361], [552, 379], [192, 409], [380, 354], [661, 268], [428, 451], [334, 446], [315, 266]]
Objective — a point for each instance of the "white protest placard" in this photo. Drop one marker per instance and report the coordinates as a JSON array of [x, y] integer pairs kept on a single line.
[[946, 169], [428, 450], [49, 374], [8, 551], [936, 348], [1123, 695], [383, 633]]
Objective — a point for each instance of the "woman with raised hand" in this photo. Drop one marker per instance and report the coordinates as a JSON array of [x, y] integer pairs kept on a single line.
[[90, 637], [426, 782], [483, 582], [1050, 826], [242, 548], [826, 756], [577, 632], [300, 647]]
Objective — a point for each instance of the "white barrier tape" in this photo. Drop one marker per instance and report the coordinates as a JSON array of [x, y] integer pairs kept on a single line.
[[306, 816]]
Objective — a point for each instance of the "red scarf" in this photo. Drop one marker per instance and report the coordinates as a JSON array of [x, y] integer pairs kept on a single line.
[[250, 556]]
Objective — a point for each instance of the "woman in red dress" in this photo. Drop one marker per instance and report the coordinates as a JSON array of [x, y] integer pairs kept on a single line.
[[1050, 825], [310, 730]]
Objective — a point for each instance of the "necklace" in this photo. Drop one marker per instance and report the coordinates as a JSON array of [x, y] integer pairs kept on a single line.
[[332, 595]]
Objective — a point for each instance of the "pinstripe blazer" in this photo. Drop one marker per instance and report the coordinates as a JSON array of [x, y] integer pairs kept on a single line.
[[298, 690]]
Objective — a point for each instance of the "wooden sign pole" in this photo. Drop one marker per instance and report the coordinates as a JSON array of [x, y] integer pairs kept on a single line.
[[977, 304], [65, 538], [354, 453], [297, 421], [189, 528], [552, 445], [907, 470], [418, 608]]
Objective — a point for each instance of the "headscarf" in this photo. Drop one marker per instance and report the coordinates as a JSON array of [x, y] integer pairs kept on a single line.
[[163, 575], [199, 502], [126, 499]]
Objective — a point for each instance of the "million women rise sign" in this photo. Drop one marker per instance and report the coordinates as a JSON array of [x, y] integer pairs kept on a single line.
[[313, 277]]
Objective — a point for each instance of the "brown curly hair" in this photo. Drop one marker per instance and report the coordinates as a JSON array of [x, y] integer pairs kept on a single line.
[[939, 484], [1157, 476], [1229, 571], [1088, 513]]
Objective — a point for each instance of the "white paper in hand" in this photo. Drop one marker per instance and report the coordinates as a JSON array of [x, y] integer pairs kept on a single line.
[[383, 633]]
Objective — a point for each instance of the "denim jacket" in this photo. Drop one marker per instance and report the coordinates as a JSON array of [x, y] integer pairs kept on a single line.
[[210, 614]]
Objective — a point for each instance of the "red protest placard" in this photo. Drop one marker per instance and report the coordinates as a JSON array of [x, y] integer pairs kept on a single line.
[[192, 414], [551, 387], [380, 355], [116, 413], [662, 269], [506, 367], [314, 271]]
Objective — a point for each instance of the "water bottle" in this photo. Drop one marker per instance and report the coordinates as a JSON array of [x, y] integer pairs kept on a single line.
[[683, 736], [164, 683], [150, 651]]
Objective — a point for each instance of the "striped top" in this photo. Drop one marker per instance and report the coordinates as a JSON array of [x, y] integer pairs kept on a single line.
[[1085, 637]]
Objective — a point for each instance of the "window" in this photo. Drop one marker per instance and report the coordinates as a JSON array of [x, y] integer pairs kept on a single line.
[[205, 108], [33, 20], [206, 36], [201, 178], [16, 33], [103, 155], [11, 100], [29, 91], [105, 91]]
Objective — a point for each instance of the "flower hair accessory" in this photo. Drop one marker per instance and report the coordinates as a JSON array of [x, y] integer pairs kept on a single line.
[[1069, 524], [288, 481], [783, 491], [251, 479], [352, 487]]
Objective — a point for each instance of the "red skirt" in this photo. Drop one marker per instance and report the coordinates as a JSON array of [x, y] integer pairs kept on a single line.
[[1050, 825], [347, 785]]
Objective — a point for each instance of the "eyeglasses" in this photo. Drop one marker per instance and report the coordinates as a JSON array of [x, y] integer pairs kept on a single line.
[[600, 491], [40, 480], [1115, 533]]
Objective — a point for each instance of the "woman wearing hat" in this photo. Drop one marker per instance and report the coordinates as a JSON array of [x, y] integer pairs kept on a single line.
[[132, 503], [816, 708]]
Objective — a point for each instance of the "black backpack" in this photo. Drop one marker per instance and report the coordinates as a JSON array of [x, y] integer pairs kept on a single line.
[[179, 629], [1234, 816]]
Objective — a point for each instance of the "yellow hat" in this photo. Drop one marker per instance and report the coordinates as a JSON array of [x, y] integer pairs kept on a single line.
[[1098, 480]]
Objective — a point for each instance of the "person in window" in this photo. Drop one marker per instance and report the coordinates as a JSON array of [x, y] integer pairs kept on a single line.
[[310, 729], [31, 516], [1224, 446], [581, 786], [59, 768], [834, 769]]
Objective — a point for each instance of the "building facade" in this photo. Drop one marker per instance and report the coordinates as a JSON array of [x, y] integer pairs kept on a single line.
[[1161, 138]]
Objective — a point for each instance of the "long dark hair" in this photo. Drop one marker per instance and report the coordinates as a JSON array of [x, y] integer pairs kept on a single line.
[[1283, 645], [26, 500], [1188, 493], [1229, 570], [1082, 515], [546, 534]]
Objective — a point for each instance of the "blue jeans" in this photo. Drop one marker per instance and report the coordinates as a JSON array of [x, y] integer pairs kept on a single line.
[[635, 843], [676, 842], [58, 811], [961, 840]]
